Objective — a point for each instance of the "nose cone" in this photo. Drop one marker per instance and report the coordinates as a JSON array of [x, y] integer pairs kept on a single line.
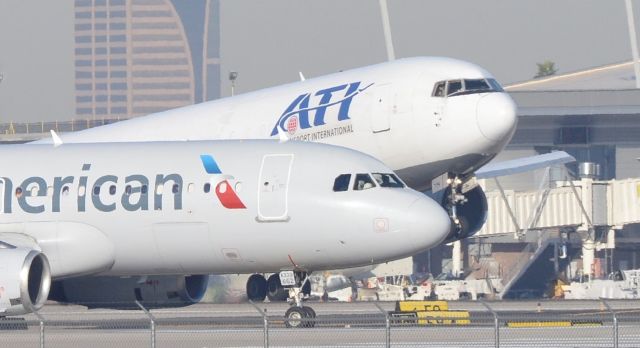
[[496, 116], [431, 223]]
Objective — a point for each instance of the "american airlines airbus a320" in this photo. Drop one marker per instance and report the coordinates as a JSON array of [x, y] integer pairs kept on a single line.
[[434, 121]]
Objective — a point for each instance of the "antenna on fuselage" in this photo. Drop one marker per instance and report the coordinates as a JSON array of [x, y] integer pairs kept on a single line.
[[282, 135], [56, 139], [301, 76]]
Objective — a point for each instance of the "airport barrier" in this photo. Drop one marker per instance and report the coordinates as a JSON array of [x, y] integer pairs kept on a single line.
[[365, 324], [25, 128]]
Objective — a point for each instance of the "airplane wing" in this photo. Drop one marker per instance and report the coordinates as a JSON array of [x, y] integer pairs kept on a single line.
[[522, 165]]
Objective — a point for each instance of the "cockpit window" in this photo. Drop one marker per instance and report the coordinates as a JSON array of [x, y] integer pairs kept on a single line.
[[495, 86], [387, 180], [363, 182], [476, 85], [341, 183], [438, 89], [454, 87], [466, 86]]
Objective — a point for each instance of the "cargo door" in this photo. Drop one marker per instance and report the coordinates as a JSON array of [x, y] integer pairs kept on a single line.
[[382, 108], [273, 187]]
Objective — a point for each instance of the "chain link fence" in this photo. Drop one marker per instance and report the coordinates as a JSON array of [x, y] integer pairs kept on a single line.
[[370, 324]]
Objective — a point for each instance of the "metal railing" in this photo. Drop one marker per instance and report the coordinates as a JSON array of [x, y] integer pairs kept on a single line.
[[26, 128], [486, 324]]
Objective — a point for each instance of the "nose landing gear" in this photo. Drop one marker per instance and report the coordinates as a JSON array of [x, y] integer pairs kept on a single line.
[[293, 286]]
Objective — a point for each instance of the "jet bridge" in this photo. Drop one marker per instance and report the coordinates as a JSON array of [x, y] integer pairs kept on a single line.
[[586, 212]]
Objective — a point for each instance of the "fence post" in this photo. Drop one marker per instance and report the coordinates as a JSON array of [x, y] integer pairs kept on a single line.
[[266, 323], [387, 325], [496, 323], [153, 324], [41, 319], [615, 322]]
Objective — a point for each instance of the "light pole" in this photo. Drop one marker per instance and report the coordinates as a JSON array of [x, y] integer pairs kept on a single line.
[[233, 75]]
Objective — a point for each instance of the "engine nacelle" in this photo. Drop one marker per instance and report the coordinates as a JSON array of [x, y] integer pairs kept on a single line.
[[118, 292], [25, 280], [468, 214]]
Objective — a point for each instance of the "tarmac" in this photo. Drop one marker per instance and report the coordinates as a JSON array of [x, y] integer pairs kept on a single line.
[[358, 324]]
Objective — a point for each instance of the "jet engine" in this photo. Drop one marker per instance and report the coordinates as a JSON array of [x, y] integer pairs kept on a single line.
[[468, 210], [25, 280], [122, 292]]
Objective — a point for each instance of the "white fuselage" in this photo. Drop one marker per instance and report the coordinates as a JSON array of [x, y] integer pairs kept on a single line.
[[208, 207], [389, 111]]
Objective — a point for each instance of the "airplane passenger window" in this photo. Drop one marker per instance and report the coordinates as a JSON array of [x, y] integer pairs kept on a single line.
[[207, 188], [96, 190], [112, 190], [438, 89], [65, 190], [127, 189], [454, 86], [363, 182], [82, 190], [341, 183], [387, 180], [19, 192], [143, 189], [175, 188]]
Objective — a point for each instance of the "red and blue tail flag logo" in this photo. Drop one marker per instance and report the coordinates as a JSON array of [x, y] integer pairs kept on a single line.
[[223, 189]]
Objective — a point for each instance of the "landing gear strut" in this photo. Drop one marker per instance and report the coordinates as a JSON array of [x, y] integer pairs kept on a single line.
[[299, 315], [293, 286]]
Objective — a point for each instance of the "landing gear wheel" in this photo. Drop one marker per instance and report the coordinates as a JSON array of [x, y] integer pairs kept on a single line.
[[256, 288], [311, 315], [275, 291], [296, 317]]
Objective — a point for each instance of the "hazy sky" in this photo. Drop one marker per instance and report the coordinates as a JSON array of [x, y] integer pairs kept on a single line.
[[268, 42]]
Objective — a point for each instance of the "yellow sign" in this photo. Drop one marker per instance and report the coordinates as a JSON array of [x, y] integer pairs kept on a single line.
[[417, 306], [443, 318]]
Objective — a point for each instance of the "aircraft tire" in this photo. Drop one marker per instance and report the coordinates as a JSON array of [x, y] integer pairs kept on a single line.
[[275, 291], [256, 288], [296, 317], [311, 314]]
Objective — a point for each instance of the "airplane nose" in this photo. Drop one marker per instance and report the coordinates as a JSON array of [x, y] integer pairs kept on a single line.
[[496, 116], [431, 222]]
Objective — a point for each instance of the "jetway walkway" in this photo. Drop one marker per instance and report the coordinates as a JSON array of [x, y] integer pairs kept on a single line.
[[594, 209], [585, 204]]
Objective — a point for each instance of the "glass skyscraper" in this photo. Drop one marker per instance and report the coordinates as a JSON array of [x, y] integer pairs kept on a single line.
[[135, 57]]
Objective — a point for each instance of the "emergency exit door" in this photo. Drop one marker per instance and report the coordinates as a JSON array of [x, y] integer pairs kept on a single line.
[[273, 187]]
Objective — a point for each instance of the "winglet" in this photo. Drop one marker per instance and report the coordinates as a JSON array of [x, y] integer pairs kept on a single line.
[[301, 76], [56, 139], [282, 134]]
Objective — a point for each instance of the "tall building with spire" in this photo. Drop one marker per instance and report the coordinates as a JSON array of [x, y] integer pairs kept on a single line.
[[135, 57]]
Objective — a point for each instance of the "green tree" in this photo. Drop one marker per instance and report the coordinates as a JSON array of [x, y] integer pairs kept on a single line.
[[546, 68]]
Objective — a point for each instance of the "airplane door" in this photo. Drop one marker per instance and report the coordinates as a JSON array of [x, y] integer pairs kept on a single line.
[[273, 187], [382, 108]]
